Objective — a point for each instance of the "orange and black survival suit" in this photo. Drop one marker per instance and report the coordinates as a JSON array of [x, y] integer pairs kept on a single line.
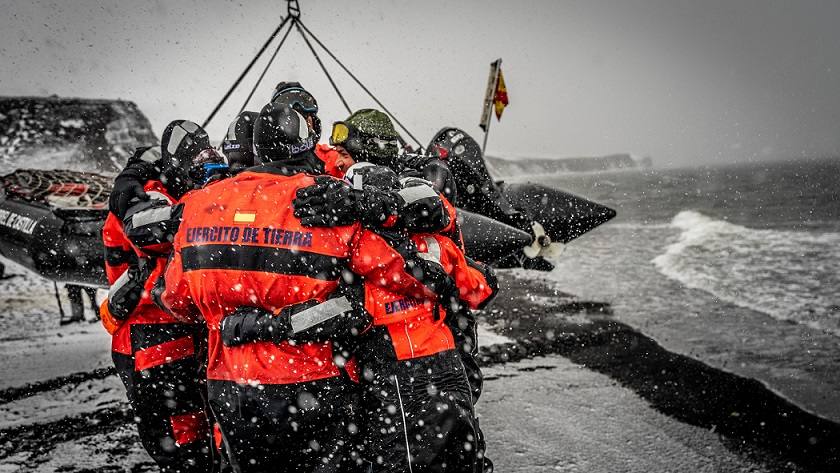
[[417, 404], [156, 355], [281, 407], [417, 398]]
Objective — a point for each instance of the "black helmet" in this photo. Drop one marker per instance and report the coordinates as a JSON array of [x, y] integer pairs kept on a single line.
[[182, 140], [181, 143], [281, 134], [238, 144], [293, 95]]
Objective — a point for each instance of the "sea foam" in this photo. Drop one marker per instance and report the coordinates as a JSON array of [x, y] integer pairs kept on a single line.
[[791, 276]]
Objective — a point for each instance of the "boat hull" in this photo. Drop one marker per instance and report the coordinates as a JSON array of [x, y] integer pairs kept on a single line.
[[562, 215], [489, 240], [59, 248]]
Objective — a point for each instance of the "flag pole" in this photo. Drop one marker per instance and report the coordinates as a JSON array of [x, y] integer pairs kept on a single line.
[[489, 97], [486, 132]]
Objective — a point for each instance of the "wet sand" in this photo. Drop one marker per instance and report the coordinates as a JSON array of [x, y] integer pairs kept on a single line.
[[548, 414], [575, 391], [751, 420]]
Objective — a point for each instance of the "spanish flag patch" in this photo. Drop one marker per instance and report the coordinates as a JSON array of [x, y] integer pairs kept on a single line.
[[244, 216]]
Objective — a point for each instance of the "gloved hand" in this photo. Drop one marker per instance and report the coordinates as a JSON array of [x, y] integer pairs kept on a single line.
[[128, 186], [433, 276], [254, 324], [125, 294], [330, 202]]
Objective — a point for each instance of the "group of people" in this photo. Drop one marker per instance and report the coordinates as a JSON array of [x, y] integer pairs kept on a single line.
[[287, 305]]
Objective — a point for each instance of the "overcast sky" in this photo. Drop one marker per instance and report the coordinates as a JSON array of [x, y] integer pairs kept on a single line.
[[681, 81]]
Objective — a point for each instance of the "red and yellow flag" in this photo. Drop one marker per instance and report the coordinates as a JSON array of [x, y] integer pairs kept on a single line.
[[500, 98], [495, 95]]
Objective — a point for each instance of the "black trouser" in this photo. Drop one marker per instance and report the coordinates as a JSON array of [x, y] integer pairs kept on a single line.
[[419, 416], [166, 395], [465, 333], [302, 427]]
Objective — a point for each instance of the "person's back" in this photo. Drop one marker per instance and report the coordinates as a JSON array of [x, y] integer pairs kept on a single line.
[[418, 327], [240, 245], [417, 400], [121, 256]]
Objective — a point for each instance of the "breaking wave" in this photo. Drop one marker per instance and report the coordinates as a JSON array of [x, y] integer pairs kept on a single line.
[[791, 276]]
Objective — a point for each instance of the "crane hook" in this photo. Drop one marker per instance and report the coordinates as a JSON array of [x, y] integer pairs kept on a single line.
[[293, 9]]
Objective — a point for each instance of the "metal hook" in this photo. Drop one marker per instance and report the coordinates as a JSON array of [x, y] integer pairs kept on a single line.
[[293, 9]]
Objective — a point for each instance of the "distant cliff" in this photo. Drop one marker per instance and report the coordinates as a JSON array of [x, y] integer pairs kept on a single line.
[[70, 133], [511, 167]]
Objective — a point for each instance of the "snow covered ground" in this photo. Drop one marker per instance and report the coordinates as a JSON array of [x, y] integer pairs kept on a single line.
[[33, 347]]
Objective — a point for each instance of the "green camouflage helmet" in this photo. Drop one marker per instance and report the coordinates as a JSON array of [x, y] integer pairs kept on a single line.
[[373, 123], [373, 137]]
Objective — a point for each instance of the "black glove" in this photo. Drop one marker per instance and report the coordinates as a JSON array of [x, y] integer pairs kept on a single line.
[[330, 202], [128, 186], [433, 276], [126, 292], [254, 324]]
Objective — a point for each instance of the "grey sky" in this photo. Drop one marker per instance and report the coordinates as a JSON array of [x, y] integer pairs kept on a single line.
[[681, 81]]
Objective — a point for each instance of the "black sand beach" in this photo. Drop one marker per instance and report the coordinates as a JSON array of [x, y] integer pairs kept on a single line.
[[576, 391], [750, 419]]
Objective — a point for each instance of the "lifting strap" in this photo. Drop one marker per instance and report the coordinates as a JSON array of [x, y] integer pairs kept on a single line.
[[298, 25], [245, 72], [267, 65], [293, 19], [356, 79]]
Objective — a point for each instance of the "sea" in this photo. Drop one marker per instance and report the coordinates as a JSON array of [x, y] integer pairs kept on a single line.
[[737, 266]]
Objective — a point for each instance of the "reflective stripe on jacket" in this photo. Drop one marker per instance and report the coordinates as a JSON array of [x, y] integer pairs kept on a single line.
[[119, 255]]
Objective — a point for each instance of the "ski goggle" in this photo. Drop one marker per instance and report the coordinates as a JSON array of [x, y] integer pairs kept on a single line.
[[296, 99], [209, 156], [208, 163], [213, 169], [342, 132]]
